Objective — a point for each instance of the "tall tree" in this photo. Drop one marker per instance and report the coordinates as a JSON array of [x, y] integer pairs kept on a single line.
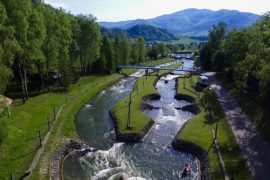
[[106, 53], [89, 42], [126, 48], [64, 39], [18, 13], [216, 36], [51, 44], [162, 49], [8, 46], [141, 49], [135, 53], [36, 36], [118, 49], [74, 49]]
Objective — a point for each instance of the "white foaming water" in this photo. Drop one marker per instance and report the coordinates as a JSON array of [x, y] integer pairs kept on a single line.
[[121, 86], [110, 164], [139, 73], [102, 92], [151, 159], [88, 105], [110, 133]]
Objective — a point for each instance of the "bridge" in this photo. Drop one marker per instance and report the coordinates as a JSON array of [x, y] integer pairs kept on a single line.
[[153, 68]]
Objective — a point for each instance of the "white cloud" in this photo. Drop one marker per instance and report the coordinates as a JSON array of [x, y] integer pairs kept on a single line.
[[56, 4]]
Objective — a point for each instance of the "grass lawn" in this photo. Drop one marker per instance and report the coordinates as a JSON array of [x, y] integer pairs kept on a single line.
[[198, 131], [138, 119], [65, 127], [27, 119], [186, 40], [19, 148]]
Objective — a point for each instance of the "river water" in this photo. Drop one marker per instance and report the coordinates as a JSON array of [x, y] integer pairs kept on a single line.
[[153, 158]]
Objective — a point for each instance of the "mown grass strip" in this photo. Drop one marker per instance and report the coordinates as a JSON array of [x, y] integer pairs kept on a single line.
[[197, 130], [28, 119], [65, 127]]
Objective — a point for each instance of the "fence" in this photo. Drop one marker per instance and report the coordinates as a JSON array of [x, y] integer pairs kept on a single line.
[[46, 127]]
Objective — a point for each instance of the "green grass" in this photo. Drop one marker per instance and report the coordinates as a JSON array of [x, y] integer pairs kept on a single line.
[[128, 71], [138, 119], [18, 150], [186, 40], [159, 61], [27, 119], [198, 131], [65, 127], [149, 63]]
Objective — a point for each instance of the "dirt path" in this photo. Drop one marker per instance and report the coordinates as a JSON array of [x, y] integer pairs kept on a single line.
[[254, 148]]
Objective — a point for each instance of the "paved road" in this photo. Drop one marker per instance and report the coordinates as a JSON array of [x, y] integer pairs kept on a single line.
[[254, 148]]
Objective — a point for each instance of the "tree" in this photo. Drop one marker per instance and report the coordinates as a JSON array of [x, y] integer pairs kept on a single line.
[[64, 39], [36, 36], [51, 45], [216, 36], [89, 41], [118, 49], [8, 47], [106, 53], [74, 49], [126, 48], [121, 49], [18, 13], [153, 52], [162, 49], [141, 49], [135, 53]]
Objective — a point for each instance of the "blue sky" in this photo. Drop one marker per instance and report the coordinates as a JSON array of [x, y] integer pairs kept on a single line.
[[117, 10]]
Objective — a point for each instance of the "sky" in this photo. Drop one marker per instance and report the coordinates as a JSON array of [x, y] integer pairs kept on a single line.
[[119, 10]]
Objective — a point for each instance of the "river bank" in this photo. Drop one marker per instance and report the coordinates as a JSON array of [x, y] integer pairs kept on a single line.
[[198, 131], [113, 159], [65, 128]]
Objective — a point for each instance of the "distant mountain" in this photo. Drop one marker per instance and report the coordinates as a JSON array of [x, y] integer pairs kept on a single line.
[[148, 32], [191, 22]]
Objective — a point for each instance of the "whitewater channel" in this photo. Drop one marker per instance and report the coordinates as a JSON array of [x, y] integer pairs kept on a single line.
[[151, 159]]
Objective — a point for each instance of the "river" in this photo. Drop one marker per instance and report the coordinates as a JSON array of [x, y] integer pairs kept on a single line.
[[153, 158]]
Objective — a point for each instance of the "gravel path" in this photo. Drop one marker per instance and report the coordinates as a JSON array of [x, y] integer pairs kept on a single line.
[[254, 148]]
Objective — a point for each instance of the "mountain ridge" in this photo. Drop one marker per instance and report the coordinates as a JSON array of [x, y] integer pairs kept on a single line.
[[148, 32], [191, 21]]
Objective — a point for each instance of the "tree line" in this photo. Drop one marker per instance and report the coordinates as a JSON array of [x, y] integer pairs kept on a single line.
[[241, 56], [41, 46]]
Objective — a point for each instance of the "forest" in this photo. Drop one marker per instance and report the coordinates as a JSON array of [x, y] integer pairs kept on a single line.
[[41, 47], [241, 56]]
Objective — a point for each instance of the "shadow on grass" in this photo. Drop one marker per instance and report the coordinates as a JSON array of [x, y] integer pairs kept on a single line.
[[25, 155], [237, 166], [189, 90]]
